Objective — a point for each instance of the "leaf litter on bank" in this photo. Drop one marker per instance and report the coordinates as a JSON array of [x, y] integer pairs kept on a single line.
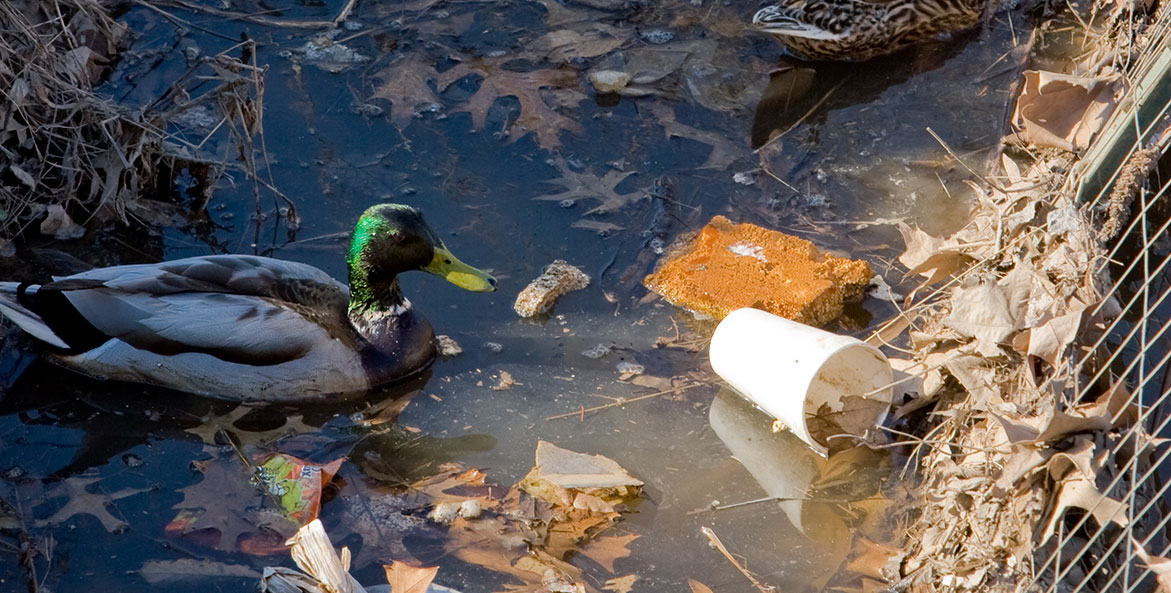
[[1000, 323]]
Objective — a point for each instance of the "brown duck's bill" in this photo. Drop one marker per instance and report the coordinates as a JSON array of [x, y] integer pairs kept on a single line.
[[448, 266]]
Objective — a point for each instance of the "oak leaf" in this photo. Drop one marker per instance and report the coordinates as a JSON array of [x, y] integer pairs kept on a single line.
[[406, 84], [404, 578], [620, 584], [536, 115], [588, 186], [565, 44], [83, 502], [221, 502], [724, 151], [605, 550]]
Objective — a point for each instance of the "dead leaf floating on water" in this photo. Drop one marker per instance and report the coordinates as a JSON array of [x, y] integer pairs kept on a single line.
[[406, 84], [404, 578], [588, 186], [536, 115], [1064, 111], [565, 44]]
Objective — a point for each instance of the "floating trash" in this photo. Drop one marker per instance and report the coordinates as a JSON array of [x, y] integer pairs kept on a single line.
[[731, 266], [559, 278]]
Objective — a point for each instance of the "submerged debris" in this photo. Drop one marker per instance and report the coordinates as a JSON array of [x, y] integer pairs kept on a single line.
[[565, 477], [448, 347], [559, 278], [598, 351], [731, 266]]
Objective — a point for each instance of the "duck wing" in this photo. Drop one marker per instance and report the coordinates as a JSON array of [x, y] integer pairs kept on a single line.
[[244, 309]]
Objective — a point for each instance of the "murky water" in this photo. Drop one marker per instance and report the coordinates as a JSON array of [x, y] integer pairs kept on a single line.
[[856, 149]]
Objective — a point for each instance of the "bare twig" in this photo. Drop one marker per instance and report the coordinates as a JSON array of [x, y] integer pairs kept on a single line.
[[719, 545], [623, 401]]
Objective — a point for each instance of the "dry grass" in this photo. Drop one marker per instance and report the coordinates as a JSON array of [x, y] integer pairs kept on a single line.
[[66, 148]]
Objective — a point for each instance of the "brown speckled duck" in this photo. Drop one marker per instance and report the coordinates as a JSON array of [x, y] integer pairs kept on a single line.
[[859, 29]]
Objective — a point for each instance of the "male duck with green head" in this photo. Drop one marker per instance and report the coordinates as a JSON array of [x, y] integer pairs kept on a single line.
[[250, 328]]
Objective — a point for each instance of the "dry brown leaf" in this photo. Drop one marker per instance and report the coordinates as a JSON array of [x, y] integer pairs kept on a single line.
[[620, 584], [588, 186], [1158, 565], [406, 84], [1078, 458], [724, 151], [565, 44], [1080, 493], [605, 550], [870, 559], [81, 501], [1063, 111], [1049, 340], [1017, 285], [977, 376], [981, 312], [929, 256], [404, 578], [536, 115], [1053, 426], [58, 224], [698, 587]]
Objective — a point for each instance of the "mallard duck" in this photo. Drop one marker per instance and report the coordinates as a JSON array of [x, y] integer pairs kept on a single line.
[[860, 30], [243, 327]]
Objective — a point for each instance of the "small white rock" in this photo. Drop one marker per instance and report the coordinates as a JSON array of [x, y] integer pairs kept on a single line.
[[444, 512], [744, 178], [609, 81], [470, 509]]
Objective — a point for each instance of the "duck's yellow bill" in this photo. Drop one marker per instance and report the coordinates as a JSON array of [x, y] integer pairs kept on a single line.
[[458, 273]]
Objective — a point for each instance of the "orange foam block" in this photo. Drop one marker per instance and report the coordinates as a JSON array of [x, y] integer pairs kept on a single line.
[[730, 266]]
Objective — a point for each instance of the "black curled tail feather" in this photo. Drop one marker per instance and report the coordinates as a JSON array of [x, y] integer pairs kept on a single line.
[[61, 317]]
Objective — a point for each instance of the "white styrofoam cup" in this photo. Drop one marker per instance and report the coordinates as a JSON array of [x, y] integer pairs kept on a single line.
[[790, 369]]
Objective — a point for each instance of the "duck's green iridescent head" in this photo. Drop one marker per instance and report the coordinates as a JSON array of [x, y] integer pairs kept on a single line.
[[393, 238]]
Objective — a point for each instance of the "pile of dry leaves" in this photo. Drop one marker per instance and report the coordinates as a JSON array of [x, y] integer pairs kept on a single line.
[[70, 157], [1019, 421]]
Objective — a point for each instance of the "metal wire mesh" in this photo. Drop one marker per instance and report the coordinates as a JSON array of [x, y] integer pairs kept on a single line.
[[1131, 353]]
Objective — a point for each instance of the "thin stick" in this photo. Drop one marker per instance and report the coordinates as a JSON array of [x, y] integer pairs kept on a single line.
[[807, 114], [345, 12], [733, 505], [623, 401], [719, 545], [182, 22], [255, 18], [962, 163]]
